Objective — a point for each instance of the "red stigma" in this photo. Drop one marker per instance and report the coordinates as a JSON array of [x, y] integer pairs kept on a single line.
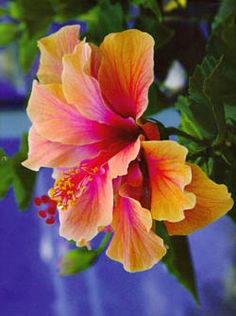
[[42, 214], [50, 220], [48, 214], [45, 199], [37, 201]]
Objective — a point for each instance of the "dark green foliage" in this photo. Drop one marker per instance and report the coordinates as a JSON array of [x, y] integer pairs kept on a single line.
[[209, 110], [151, 5], [103, 19], [158, 101], [12, 173], [178, 259], [6, 174]]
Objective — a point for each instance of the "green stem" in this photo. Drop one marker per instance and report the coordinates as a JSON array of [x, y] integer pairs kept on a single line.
[[103, 243]]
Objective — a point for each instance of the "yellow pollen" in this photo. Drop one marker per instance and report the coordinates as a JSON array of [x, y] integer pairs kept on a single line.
[[71, 185]]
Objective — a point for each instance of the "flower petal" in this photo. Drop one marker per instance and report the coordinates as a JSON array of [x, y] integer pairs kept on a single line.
[[53, 48], [58, 121], [133, 243], [95, 60], [82, 222], [213, 201], [80, 88], [132, 185], [126, 71], [119, 163], [44, 153], [169, 174]]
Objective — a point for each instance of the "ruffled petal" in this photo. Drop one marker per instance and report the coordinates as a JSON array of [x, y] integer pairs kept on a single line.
[[119, 163], [133, 243], [53, 48], [169, 174], [58, 121], [213, 201], [81, 89], [95, 60], [44, 153], [83, 221], [126, 71]]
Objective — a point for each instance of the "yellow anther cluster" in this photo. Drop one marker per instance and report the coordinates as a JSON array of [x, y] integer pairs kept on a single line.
[[71, 185]]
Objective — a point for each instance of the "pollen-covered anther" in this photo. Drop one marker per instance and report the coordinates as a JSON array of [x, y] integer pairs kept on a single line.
[[71, 185]]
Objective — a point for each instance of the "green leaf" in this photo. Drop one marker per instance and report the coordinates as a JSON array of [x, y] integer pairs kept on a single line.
[[27, 51], [80, 259], [215, 90], [69, 9], [157, 101], [112, 18], [77, 260], [12, 173], [178, 259], [222, 42], [35, 21], [152, 5], [8, 33], [225, 10], [37, 16], [160, 31], [200, 106], [190, 125], [6, 174], [3, 12], [23, 179]]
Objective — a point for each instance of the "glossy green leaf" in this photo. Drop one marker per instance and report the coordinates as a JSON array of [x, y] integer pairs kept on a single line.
[[8, 33], [178, 259]]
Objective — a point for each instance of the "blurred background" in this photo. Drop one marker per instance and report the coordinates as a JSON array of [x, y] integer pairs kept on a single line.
[[30, 251]]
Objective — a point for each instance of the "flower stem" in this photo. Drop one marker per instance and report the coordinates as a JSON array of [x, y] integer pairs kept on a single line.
[[103, 243]]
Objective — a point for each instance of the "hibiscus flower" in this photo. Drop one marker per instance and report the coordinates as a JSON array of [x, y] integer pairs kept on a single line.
[[109, 167]]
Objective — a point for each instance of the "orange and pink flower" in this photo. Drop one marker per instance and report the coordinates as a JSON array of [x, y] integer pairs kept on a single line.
[[109, 167]]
